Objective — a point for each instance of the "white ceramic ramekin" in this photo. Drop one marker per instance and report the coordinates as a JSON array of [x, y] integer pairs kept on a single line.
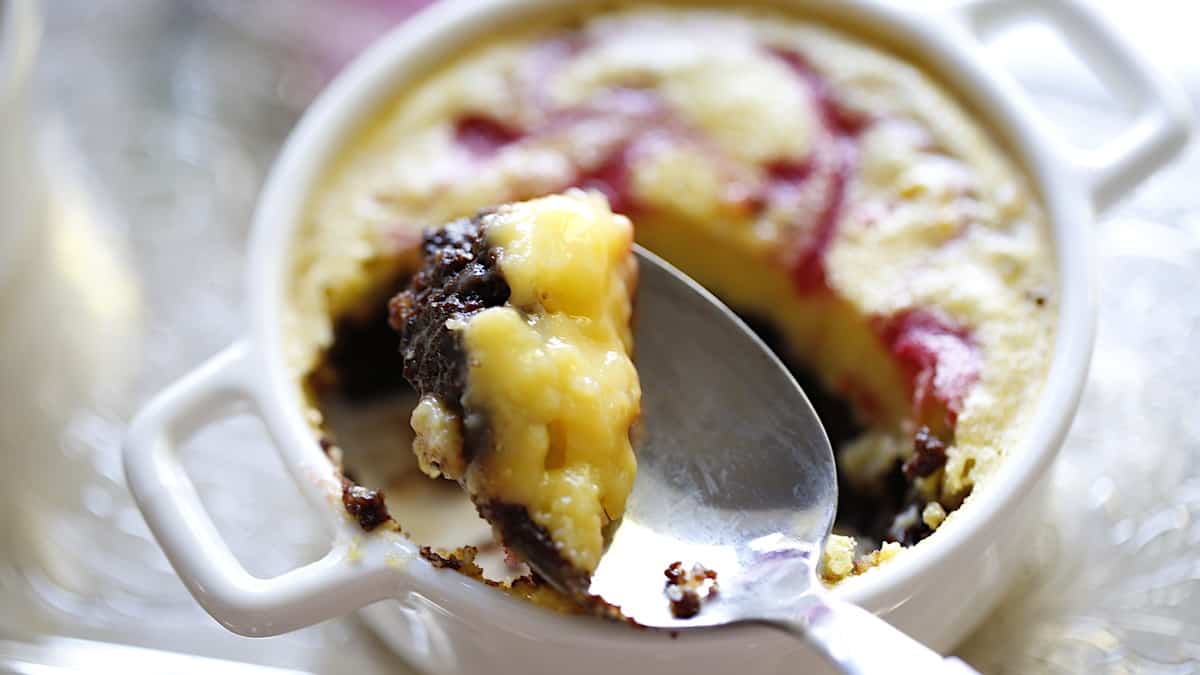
[[21, 191], [444, 622]]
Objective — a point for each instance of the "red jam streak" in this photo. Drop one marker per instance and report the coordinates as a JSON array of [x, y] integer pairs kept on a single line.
[[940, 358], [836, 161], [612, 178], [833, 161], [483, 136], [838, 120], [814, 187], [643, 121]]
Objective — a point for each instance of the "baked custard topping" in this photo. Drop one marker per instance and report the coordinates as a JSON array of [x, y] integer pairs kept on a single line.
[[538, 416], [834, 195]]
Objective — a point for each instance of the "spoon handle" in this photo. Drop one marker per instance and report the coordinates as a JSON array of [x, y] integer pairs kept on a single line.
[[860, 643]]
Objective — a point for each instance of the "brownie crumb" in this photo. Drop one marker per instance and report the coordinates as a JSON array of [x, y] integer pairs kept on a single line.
[[929, 455], [674, 573], [599, 607], [686, 591], [366, 505], [531, 587], [684, 603], [460, 560]]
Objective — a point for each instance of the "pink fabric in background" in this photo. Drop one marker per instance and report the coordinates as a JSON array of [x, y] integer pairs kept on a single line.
[[340, 29]]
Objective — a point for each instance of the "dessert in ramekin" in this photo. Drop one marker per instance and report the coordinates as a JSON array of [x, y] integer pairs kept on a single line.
[[832, 194]]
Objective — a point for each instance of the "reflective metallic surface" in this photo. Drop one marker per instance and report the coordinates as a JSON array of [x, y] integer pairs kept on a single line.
[[735, 474], [734, 470], [167, 115]]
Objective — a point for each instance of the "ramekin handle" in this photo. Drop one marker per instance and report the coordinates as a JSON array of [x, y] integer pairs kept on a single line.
[[1163, 121], [329, 587]]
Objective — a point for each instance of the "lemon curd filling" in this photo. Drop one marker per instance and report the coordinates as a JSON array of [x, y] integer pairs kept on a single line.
[[550, 388]]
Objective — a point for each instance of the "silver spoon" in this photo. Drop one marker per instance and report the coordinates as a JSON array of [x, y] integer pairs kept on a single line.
[[735, 472]]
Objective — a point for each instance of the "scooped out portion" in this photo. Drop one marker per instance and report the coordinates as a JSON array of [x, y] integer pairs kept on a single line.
[[516, 334], [856, 214]]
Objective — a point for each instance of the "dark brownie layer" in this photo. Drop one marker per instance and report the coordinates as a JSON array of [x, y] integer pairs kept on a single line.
[[459, 277], [533, 544]]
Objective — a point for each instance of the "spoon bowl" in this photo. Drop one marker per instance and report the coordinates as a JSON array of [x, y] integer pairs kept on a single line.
[[734, 467], [736, 475]]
